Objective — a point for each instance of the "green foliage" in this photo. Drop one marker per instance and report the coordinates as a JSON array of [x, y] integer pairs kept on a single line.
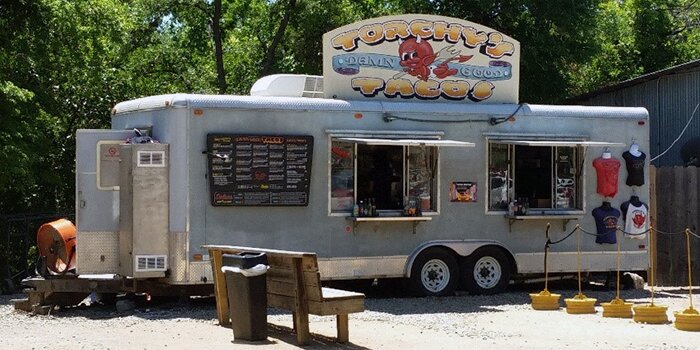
[[635, 37], [64, 64], [552, 37]]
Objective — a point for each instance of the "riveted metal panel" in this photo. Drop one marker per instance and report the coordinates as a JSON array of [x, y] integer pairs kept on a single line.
[[178, 257], [362, 267], [200, 272]]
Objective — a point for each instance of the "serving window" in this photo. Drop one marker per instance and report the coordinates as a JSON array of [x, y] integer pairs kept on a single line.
[[389, 173], [544, 175]]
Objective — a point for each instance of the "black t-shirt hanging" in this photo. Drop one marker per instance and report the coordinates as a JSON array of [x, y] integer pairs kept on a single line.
[[635, 168]]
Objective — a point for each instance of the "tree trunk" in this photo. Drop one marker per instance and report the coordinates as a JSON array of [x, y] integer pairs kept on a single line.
[[270, 56], [218, 51]]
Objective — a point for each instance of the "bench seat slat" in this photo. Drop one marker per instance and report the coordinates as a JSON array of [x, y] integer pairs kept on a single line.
[[338, 294], [336, 307]]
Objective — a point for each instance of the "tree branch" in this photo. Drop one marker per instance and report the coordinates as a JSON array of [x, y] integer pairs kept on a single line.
[[218, 50], [270, 56]]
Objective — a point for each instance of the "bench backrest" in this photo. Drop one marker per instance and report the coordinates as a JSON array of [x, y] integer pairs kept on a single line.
[[283, 286]]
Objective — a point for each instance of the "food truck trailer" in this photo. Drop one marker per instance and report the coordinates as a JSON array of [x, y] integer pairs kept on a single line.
[[410, 158]]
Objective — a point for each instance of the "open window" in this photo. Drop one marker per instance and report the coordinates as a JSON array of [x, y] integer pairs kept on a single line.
[[389, 172], [545, 174]]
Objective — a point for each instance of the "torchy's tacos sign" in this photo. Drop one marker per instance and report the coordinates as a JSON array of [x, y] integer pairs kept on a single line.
[[420, 57]]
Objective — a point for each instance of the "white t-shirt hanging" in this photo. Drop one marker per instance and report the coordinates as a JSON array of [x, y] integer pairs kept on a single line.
[[636, 221]]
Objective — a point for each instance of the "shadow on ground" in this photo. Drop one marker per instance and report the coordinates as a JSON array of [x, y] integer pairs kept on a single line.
[[383, 297], [287, 335]]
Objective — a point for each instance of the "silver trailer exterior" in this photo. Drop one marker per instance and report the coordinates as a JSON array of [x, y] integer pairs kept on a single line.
[[448, 232]]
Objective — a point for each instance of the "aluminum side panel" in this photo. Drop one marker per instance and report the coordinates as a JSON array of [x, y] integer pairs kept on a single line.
[[590, 261], [96, 210]]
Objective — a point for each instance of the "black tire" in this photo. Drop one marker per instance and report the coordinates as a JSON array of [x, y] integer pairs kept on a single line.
[[435, 272], [486, 271]]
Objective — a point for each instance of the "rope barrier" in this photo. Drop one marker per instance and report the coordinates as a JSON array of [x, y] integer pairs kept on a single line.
[[667, 233], [652, 256], [650, 229], [591, 233], [634, 234], [549, 241]]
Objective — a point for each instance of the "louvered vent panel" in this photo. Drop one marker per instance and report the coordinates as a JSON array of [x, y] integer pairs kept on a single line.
[[151, 158], [151, 263], [313, 87]]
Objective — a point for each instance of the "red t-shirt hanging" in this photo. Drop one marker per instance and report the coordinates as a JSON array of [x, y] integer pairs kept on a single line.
[[607, 170]]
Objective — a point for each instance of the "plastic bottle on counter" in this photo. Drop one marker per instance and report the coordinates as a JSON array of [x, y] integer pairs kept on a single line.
[[355, 210], [511, 208]]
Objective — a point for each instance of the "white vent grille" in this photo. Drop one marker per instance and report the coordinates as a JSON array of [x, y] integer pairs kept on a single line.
[[151, 158], [288, 85], [151, 262], [313, 87]]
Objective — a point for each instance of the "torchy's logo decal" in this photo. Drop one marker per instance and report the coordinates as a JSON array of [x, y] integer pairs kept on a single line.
[[434, 59]]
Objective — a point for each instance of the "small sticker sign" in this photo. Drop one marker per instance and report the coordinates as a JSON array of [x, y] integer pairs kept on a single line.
[[462, 191]]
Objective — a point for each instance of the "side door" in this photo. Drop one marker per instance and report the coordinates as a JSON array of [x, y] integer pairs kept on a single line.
[[97, 199]]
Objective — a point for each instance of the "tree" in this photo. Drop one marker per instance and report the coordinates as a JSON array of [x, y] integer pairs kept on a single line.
[[636, 37]]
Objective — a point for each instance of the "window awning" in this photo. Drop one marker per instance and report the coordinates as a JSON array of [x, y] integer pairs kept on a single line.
[[407, 142], [561, 143]]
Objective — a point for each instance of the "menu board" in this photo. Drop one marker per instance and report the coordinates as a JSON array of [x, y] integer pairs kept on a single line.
[[259, 170]]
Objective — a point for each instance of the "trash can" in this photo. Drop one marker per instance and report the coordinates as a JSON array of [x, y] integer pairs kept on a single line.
[[247, 294]]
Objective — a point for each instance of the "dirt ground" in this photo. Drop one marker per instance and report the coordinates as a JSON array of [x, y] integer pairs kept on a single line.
[[504, 321]]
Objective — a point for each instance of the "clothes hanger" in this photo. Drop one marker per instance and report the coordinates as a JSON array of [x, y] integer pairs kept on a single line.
[[634, 148]]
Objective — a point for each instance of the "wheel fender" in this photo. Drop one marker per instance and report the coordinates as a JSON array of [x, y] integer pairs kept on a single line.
[[462, 248]]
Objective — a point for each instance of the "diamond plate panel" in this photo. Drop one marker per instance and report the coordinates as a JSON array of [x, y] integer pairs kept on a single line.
[[97, 252], [200, 272], [178, 248], [362, 267]]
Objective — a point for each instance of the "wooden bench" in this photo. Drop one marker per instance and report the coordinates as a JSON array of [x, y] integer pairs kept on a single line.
[[293, 283]]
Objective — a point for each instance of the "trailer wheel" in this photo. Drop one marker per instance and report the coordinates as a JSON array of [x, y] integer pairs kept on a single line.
[[486, 271], [435, 272]]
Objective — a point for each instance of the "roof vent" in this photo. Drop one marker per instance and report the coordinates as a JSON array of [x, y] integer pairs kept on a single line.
[[289, 85]]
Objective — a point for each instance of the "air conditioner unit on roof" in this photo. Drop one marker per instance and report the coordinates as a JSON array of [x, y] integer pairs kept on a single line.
[[289, 85]]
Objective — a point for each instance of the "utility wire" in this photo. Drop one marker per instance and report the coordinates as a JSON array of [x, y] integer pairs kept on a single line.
[[679, 136]]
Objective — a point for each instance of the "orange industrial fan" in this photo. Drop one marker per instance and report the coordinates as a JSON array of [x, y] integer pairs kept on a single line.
[[56, 243]]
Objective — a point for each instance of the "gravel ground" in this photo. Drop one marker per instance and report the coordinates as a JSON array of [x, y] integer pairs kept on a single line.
[[503, 321]]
